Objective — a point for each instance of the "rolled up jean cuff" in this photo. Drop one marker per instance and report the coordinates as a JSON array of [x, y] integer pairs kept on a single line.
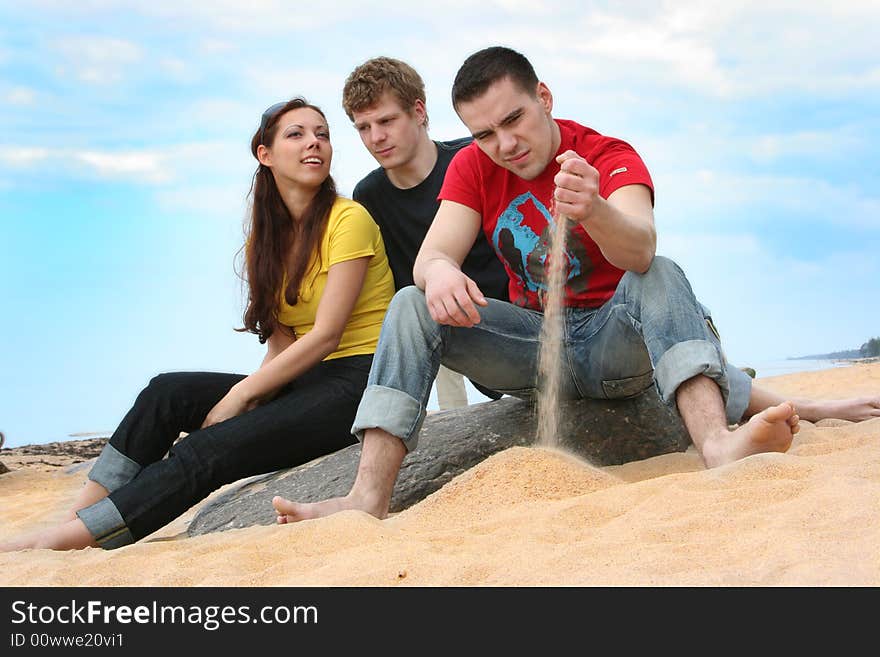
[[688, 359], [113, 469], [740, 385], [105, 524], [390, 410]]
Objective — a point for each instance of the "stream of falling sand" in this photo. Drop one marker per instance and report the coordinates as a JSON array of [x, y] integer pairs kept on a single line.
[[552, 334]]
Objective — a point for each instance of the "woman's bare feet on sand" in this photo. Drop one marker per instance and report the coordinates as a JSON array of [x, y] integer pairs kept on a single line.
[[70, 535], [857, 409]]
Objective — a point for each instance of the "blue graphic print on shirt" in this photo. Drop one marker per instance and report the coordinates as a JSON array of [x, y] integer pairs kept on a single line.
[[522, 240]]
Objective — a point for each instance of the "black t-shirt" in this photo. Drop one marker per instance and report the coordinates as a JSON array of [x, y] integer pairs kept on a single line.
[[404, 216]]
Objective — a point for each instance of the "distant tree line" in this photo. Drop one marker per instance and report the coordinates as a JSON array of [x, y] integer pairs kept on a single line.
[[871, 348]]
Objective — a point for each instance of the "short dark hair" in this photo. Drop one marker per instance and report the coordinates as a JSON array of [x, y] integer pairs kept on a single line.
[[485, 67]]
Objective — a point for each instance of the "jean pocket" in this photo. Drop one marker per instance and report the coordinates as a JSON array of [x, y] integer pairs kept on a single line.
[[629, 387]]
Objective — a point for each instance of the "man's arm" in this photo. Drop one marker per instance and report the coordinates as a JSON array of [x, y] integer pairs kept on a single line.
[[450, 294], [622, 226]]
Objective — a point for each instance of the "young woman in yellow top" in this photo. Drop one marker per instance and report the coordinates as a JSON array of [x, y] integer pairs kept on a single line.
[[319, 285]]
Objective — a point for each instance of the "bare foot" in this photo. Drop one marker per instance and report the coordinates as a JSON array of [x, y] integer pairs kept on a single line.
[[295, 511], [20, 543], [771, 430], [70, 535], [856, 409]]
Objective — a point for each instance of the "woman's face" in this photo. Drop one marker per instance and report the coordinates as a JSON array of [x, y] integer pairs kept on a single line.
[[301, 152]]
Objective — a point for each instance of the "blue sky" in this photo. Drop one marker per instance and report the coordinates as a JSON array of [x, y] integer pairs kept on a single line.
[[124, 165]]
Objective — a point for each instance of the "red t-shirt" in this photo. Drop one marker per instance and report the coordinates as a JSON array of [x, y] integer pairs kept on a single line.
[[518, 223]]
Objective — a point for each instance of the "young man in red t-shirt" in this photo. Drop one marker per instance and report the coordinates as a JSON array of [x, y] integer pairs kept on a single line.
[[631, 318]]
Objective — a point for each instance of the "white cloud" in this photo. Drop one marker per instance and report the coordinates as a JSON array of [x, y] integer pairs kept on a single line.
[[710, 196], [216, 46], [255, 17], [97, 60], [720, 50], [206, 200], [144, 166], [20, 156], [176, 69], [153, 166], [770, 147], [677, 50], [320, 85], [20, 96]]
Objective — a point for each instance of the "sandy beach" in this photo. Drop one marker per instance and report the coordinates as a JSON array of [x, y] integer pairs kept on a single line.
[[531, 517]]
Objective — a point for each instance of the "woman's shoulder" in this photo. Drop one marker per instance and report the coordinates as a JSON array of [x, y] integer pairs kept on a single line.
[[348, 217], [346, 203], [346, 209]]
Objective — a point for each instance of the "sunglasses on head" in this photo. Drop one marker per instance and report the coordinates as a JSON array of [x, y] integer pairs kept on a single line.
[[267, 116]]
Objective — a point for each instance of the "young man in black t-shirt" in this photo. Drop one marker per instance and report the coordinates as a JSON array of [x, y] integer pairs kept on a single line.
[[385, 99]]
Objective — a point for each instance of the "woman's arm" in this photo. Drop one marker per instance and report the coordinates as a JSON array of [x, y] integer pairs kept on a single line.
[[281, 338], [344, 283]]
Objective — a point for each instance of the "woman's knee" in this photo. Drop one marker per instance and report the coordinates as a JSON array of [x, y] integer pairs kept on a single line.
[[168, 384]]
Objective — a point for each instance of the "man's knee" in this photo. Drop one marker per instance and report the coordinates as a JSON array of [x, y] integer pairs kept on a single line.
[[664, 274], [406, 299], [409, 307], [664, 268]]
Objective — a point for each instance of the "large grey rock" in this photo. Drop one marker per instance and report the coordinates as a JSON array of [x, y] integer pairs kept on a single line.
[[603, 432]]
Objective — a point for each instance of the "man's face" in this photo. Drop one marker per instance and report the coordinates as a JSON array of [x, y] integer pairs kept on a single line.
[[514, 128], [390, 133]]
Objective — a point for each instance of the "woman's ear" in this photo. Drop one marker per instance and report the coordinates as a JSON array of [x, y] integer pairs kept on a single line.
[[264, 155]]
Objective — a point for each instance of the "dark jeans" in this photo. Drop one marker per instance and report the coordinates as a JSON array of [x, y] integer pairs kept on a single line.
[[310, 417]]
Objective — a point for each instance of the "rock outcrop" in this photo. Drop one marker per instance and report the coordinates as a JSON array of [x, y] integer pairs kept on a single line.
[[603, 432]]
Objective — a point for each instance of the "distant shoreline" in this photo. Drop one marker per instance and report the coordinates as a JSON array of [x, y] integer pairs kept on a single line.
[[839, 357]]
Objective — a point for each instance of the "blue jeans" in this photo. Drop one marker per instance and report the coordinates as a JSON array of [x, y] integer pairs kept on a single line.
[[653, 331], [152, 479]]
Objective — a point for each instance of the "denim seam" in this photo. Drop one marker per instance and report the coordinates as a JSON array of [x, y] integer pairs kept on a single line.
[[607, 315], [106, 525]]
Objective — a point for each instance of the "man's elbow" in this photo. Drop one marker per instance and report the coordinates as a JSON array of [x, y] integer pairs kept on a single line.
[[637, 260], [648, 253], [645, 263]]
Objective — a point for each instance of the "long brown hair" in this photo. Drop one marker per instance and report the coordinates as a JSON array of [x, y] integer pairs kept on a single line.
[[275, 244]]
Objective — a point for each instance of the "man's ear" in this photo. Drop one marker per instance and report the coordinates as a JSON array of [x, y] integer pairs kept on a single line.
[[545, 97], [264, 155], [420, 112]]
